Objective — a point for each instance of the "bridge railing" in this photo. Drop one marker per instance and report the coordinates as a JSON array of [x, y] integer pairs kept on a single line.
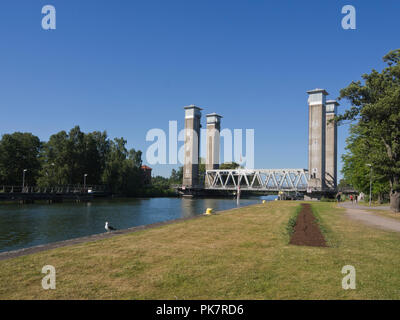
[[58, 189]]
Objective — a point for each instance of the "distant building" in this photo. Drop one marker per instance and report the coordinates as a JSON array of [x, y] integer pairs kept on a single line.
[[146, 174]]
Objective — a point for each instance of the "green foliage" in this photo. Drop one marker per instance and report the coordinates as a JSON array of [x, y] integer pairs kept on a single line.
[[375, 105], [324, 199], [292, 221], [19, 151], [356, 162], [344, 184], [122, 169], [156, 191], [229, 165], [160, 182], [176, 176], [67, 157]]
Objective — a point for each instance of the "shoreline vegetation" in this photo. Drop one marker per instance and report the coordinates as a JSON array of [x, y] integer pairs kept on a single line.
[[80, 159], [236, 254], [83, 159]]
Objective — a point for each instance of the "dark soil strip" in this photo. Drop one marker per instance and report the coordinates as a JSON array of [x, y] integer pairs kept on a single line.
[[306, 231]]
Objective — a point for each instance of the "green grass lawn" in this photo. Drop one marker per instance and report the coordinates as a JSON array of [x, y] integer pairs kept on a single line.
[[238, 254]]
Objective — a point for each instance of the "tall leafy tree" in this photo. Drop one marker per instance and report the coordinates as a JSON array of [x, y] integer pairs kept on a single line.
[[176, 176], [67, 157], [375, 105], [122, 170], [356, 161], [19, 151]]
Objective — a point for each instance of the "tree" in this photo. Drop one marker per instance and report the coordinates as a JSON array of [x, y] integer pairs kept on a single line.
[[67, 157], [344, 184], [19, 151], [176, 176], [122, 170], [356, 162], [160, 182], [375, 105], [229, 166]]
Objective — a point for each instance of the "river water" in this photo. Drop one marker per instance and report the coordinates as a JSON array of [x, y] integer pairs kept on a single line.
[[23, 226]]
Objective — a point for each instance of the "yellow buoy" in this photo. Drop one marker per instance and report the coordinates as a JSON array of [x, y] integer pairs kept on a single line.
[[209, 211]]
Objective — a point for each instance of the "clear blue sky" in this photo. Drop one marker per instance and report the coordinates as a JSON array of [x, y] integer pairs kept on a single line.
[[129, 66]]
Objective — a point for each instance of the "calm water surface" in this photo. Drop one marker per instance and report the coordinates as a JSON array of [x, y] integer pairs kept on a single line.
[[24, 226]]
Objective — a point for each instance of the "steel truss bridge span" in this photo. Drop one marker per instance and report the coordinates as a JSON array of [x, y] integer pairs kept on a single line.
[[258, 179]]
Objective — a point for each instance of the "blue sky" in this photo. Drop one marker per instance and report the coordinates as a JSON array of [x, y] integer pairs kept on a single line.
[[130, 66]]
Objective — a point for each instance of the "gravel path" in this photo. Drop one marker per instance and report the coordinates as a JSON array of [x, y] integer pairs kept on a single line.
[[349, 205], [361, 213]]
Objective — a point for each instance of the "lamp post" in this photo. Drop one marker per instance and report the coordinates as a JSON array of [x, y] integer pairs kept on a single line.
[[23, 179], [84, 182], [370, 183], [52, 172]]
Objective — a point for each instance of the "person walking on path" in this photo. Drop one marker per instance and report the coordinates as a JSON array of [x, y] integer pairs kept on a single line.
[[351, 199]]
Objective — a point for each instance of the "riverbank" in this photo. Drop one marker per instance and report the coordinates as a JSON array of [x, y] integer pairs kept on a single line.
[[94, 237], [24, 226], [237, 254]]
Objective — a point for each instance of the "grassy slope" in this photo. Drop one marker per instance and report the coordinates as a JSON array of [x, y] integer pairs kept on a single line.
[[239, 254]]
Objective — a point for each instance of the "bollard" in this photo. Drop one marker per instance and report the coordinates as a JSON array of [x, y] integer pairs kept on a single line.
[[208, 211]]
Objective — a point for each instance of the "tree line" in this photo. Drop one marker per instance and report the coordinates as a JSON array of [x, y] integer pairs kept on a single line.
[[67, 157], [373, 147]]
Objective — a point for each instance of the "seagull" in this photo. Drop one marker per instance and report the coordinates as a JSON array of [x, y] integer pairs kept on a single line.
[[109, 228]]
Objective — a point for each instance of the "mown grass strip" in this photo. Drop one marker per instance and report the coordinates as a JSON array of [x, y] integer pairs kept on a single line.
[[326, 231], [292, 222]]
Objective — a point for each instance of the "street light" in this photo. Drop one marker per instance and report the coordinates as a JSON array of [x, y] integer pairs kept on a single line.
[[52, 171], [23, 179], [84, 182], [370, 183]]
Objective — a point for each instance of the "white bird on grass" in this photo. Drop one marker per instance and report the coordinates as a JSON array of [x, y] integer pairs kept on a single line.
[[109, 228]]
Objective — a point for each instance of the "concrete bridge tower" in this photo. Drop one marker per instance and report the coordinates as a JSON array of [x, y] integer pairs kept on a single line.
[[316, 138], [331, 145], [213, 141], [191, 146]]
